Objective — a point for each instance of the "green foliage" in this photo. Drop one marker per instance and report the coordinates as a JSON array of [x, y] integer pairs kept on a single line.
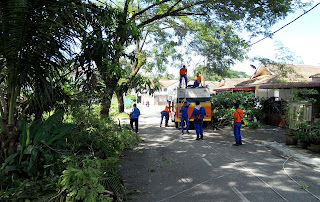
[[132, 97], [303, 94], [36, 142], [40, 148], [223, 107], [314, 134], [252, 124], [209, 75], [302, 133], [80, 164], [100, 134], [81, 179], [294, 110]]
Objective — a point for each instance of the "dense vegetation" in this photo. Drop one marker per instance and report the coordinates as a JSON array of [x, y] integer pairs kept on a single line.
[[223, 108], [67, 156]]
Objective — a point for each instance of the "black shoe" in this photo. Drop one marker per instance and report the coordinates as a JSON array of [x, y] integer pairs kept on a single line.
[[188, 131], [201, 137], [182, 133], [160, 125], [240, 142], [236, 144], [197, 138]]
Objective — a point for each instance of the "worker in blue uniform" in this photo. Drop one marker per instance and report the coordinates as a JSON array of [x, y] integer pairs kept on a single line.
[[198, 113], [184, 115], [134, 117]]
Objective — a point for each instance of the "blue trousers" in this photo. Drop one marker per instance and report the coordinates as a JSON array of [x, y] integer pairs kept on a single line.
[[199, 127], [185, 79], [236, 131], [166, 115], [196, 83], [184, 118]]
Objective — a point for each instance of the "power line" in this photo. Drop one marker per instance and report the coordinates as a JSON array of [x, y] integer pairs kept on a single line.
[[285, 25]]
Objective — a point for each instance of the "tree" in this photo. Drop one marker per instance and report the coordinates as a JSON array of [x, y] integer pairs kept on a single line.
[[209, 24], [35, 46], [212, 76], [284, 55]]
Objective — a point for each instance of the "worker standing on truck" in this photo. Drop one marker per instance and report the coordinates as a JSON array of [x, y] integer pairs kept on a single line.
[[183, 74], [198, 113], [165, 113], [184, 115]]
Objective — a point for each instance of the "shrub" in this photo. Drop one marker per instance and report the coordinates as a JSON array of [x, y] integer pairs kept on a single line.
[[223, 107], [100, 135], [81, 179]]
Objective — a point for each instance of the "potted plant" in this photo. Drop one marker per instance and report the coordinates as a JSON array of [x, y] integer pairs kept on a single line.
[[303, 134], [314, 137], [290, 137]]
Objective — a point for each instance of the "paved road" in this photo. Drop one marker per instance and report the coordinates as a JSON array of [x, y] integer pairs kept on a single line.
[[167, 166]]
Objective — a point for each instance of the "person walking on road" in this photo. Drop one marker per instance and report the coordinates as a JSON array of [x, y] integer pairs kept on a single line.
[[184, 115], [238, 115], [183, 74], [134, 117], [165, 113], [198, 113]]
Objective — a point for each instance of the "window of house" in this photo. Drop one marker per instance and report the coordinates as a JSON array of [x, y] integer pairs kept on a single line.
[[165, 90]]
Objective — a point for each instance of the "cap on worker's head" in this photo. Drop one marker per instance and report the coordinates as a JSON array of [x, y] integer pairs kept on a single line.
[[134, 105], [185, 102], [197, 102], [184, 66]]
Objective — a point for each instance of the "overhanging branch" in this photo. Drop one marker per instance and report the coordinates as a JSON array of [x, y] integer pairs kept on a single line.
[[176, 12]]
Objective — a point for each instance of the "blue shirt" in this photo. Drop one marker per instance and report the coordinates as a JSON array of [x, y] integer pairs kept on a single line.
[[135, 113], [196, 111], [184, 110]]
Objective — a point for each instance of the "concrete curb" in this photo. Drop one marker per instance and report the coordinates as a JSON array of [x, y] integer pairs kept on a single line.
[[303, 158]]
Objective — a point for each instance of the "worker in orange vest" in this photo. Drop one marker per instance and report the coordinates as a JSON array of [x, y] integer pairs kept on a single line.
[[197, 80], [183, 74], [165, 113]]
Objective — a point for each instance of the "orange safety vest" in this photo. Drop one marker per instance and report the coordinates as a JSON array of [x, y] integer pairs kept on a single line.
[[183, 71], [167, 109], [238, 114], [198, 78]]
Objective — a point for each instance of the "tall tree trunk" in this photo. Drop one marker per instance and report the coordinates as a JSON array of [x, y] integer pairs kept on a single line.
[[9, 136], [119, 94], [105, 107], [9, 139], [111, 84]]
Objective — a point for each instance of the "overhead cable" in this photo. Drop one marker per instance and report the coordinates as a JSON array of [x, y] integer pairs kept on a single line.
[[285, 25]]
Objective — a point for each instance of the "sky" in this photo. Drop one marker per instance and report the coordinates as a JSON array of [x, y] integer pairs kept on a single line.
[[302, 37]]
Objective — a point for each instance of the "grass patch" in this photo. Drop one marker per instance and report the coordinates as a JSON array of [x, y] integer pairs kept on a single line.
[[122, 115]]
